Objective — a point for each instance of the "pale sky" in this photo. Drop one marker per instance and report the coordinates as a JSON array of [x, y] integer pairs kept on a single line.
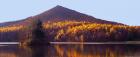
[[123, 11]]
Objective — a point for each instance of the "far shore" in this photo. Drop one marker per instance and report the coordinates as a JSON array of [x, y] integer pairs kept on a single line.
[[126, 42]]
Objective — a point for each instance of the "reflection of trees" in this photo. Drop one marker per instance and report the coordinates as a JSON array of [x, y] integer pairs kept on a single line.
[[39, 51], [8, 51], [94, 51], [72, 51], [8, 55]]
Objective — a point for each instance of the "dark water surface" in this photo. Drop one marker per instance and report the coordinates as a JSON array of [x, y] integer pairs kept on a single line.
[[71, 51]]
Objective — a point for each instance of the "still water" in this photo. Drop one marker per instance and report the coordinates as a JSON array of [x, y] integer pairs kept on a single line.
[[71, 51]]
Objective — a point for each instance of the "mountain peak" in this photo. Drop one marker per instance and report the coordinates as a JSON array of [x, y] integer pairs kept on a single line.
[[60, 13], [59, 6]]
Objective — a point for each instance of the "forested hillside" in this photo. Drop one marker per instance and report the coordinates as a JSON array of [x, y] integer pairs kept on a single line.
[[74, 31], [63, 24]]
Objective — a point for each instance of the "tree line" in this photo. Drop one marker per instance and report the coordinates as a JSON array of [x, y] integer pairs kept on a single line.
[[73, 31]]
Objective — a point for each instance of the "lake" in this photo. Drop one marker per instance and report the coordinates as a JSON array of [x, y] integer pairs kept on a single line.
[[72, 50]]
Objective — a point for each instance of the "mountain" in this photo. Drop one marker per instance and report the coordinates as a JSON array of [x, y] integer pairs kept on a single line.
[[60, 13], [63, 24]]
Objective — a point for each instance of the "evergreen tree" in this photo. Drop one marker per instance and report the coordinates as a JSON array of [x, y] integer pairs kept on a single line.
[[38, 35]]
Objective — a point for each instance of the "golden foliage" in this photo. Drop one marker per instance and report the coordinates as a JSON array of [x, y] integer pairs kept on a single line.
[[10, 28], [74, 30], [80, 31]]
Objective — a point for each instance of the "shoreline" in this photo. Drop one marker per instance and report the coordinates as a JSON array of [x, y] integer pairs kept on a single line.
[[126, 42]]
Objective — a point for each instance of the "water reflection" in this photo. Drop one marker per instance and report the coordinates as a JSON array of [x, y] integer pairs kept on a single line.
[[39, 51], [71, 51]]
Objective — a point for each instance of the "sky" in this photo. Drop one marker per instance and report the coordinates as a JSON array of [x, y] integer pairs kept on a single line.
[[123, 11]]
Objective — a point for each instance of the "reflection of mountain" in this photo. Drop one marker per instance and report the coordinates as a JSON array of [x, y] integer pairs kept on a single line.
[[72, 51], [63, 24]]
